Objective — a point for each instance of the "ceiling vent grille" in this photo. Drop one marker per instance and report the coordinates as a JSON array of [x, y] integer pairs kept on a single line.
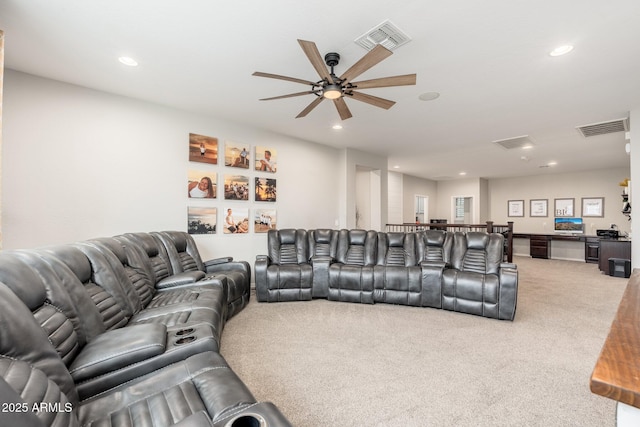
[[386, 34], [517, 142], [619, 125]]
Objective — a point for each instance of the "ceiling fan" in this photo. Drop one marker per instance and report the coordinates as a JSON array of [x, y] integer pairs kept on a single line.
[[337, 88]]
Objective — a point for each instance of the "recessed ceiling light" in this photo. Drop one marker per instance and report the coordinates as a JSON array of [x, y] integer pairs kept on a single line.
[[336, 127], [561, 50], [527, 147], [128, 61], [462, 173], [552, 163], [429, 96], [396, 167]]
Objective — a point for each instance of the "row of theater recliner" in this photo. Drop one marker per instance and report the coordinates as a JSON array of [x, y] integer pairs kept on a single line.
[[458, 271], [122, 331]]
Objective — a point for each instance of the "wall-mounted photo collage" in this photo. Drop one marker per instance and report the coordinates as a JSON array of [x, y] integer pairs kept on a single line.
[[212, 181]]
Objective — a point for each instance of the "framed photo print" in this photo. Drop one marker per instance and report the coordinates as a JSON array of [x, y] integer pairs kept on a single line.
[[264, 220], [515, 208], [539, 207], [201, 220], [236, 155], [563, 207], [236, 220], [201, 185], [203, 149], [593, 207], [265, 189], [236, 187], [266, 159]]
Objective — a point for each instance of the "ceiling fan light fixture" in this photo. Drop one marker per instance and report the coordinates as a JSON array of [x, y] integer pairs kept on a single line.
[[332, 91]]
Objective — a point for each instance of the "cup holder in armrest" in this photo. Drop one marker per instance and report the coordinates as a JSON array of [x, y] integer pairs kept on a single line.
[[186, 331], [247, 420], [185, 340]]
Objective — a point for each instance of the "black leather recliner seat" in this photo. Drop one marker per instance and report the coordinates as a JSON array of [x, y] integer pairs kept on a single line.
[[171, 259], [462, 272], [199, 391], [285, 271], [77, 331]]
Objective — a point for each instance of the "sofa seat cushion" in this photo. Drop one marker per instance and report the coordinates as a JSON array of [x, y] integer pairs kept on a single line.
[[180, 279], [351, 283], [469, 292], [289, 282], [211, 311], [398, 285], [118, 348], [202, 294]]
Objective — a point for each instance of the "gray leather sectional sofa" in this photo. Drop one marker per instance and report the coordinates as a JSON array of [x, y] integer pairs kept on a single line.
[[122, 331], [458, 271]]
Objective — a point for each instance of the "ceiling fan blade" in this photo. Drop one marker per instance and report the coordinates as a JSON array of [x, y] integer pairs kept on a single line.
[[373, 100], [370, 59], [279, 77], [310, 107], [343, 110], [291, 95], [405, 80], [311, 50]]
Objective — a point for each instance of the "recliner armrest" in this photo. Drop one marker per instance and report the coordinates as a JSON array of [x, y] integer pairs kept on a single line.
[[181, 279], [216, 261], [434, 264], [118, 348], [508, 265], [432, 272]]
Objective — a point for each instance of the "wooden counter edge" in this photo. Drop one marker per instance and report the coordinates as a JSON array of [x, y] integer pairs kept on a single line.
[[616, 374]]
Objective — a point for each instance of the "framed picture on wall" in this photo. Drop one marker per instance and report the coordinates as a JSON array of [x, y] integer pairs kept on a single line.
[[563, 207], [236, 155], [201, 184], [203, 149], [236, 220], [201, 220], [265, 190], [236, 187], [593, 206], [515, 208], [264, 220], [266, 159], [539, 207]]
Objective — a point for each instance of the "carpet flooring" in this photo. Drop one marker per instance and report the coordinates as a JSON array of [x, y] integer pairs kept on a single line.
[[326, 363]]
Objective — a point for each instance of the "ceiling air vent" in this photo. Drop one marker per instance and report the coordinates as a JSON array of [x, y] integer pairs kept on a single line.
[[517, 142], [619, 125], [386, 34]]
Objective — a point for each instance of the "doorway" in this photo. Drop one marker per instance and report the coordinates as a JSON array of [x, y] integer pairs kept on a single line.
[[421, 209], [462, 209]]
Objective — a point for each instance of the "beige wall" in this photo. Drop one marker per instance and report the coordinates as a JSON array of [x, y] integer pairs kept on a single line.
[[79, 163], [597, 183]]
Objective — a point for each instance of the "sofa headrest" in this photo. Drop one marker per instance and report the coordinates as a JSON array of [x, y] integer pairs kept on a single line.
[[323, 236], [357, 237], [179, 240], [396, 239], [146, 241], [112, 245], [22, 280], [435, 237], [74, 258], [477, 240], [288, 236]]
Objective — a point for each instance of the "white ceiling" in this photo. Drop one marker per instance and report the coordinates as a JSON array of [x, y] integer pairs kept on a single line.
[[487, 58]]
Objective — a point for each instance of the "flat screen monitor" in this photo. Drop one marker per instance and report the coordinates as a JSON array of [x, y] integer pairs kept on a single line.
[[568, 225]]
